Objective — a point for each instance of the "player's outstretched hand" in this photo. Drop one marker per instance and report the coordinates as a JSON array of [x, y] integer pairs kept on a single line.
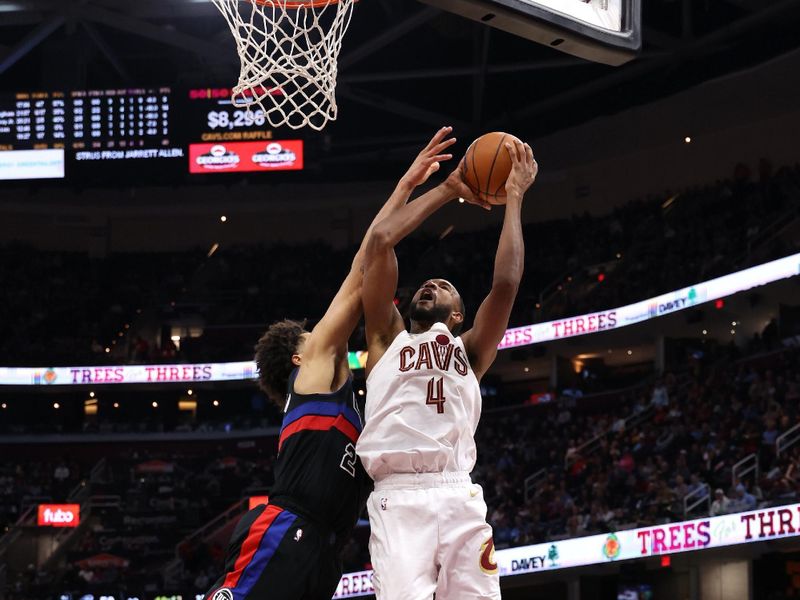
[[523, 168], [459, 189], [427, 162]]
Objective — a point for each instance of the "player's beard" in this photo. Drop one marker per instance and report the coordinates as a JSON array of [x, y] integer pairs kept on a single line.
[[435, 314]]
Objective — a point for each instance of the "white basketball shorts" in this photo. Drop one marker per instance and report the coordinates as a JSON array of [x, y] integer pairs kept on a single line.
[[429, 534]]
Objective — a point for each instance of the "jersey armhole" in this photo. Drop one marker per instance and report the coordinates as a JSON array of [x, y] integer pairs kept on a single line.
[[385, 353]]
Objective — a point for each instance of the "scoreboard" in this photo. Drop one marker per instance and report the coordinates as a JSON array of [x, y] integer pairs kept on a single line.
[[65, 134], [85, 119]]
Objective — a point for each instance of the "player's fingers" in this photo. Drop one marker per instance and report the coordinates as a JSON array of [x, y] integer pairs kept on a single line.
[[529, 154], [438, 137], [521, 156], [442, 157], [443, 145], [513, 152]]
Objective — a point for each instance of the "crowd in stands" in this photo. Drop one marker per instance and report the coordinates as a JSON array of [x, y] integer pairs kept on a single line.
[[143, 504], [24, 484], [631, 459], [76, 307], [679, 239]]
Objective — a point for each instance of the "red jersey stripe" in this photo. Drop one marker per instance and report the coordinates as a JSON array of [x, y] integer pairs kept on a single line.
[[317, 423], [251, 544]]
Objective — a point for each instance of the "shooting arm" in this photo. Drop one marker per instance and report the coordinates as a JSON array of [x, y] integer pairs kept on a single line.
[[492, 317]]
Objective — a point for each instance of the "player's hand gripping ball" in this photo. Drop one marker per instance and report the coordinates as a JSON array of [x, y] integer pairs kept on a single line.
[[487, 165]]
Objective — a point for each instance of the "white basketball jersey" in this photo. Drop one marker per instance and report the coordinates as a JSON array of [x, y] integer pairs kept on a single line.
[[423, 407]]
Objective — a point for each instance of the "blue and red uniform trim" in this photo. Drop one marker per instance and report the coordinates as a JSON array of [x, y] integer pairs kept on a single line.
[[257, 550], [321, 416]]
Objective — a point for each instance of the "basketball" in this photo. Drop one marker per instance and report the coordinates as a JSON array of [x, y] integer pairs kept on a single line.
[[487, 165]]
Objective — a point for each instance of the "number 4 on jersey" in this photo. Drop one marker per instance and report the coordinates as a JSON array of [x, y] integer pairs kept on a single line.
[[436, 394]]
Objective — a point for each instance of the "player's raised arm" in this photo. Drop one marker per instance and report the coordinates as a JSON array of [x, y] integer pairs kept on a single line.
[[492, 317], [341, 318], [383, 321]]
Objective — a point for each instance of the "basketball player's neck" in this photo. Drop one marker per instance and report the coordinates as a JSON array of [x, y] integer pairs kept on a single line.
[[422, 326]]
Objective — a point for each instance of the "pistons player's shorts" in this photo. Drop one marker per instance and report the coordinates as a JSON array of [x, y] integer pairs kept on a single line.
[[278, 555], [429, 534]]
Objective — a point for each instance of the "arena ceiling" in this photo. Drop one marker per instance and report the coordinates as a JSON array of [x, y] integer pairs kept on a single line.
[[406, 67]]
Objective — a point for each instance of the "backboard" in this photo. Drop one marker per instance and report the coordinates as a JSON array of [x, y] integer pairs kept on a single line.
[[604, 31]]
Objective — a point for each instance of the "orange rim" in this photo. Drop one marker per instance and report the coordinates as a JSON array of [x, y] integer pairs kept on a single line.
[[295, 4]]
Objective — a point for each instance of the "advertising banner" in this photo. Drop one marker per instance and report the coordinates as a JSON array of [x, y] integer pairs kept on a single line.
[[32, 164], [59, 515], [672, 538], [231, 157]]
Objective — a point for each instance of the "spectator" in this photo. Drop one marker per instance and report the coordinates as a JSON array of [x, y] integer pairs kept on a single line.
[[721, 504]]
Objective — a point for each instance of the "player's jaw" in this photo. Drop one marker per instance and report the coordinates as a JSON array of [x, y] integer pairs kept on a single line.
[[431, 303]]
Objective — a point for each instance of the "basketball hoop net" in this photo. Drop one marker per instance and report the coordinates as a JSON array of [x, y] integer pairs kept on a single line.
[[288, 52]]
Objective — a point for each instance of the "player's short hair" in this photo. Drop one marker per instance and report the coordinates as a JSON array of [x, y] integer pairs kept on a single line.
[[274, 358]]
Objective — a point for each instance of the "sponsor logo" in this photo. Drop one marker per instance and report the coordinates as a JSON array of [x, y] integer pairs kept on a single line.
[[384, 501], [692, 297], [552, 555], [612, 547], [241, 156], [486, 562], [298, 535], [218, 157], [275, 155], [59, 515], [527, 564], [48, 377], [223, 594]]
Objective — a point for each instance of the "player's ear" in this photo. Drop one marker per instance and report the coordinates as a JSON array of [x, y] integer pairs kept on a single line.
[[457, 316], [297, 359]]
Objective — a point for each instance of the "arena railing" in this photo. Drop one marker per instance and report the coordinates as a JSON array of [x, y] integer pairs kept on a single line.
[[787, 439], [696, 498], [171, 571], [743, 468]]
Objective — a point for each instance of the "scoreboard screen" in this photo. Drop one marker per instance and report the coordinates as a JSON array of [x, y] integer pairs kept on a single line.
[[67, 134], [603, 31]]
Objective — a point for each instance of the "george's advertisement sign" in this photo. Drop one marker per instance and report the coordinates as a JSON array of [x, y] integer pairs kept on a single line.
[[232, 157], [59, 515]]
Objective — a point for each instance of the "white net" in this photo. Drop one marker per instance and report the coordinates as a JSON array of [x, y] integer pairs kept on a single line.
[[288, 52]]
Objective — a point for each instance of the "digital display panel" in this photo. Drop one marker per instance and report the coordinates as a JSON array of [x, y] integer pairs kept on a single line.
[[606, 14], [68, 134], [86, 120]]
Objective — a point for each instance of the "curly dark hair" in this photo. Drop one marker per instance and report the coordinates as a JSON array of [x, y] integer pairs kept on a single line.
[[274, 358]]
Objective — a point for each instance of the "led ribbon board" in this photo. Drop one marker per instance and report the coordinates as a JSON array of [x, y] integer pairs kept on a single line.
[[672, 538], [537, 333]]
